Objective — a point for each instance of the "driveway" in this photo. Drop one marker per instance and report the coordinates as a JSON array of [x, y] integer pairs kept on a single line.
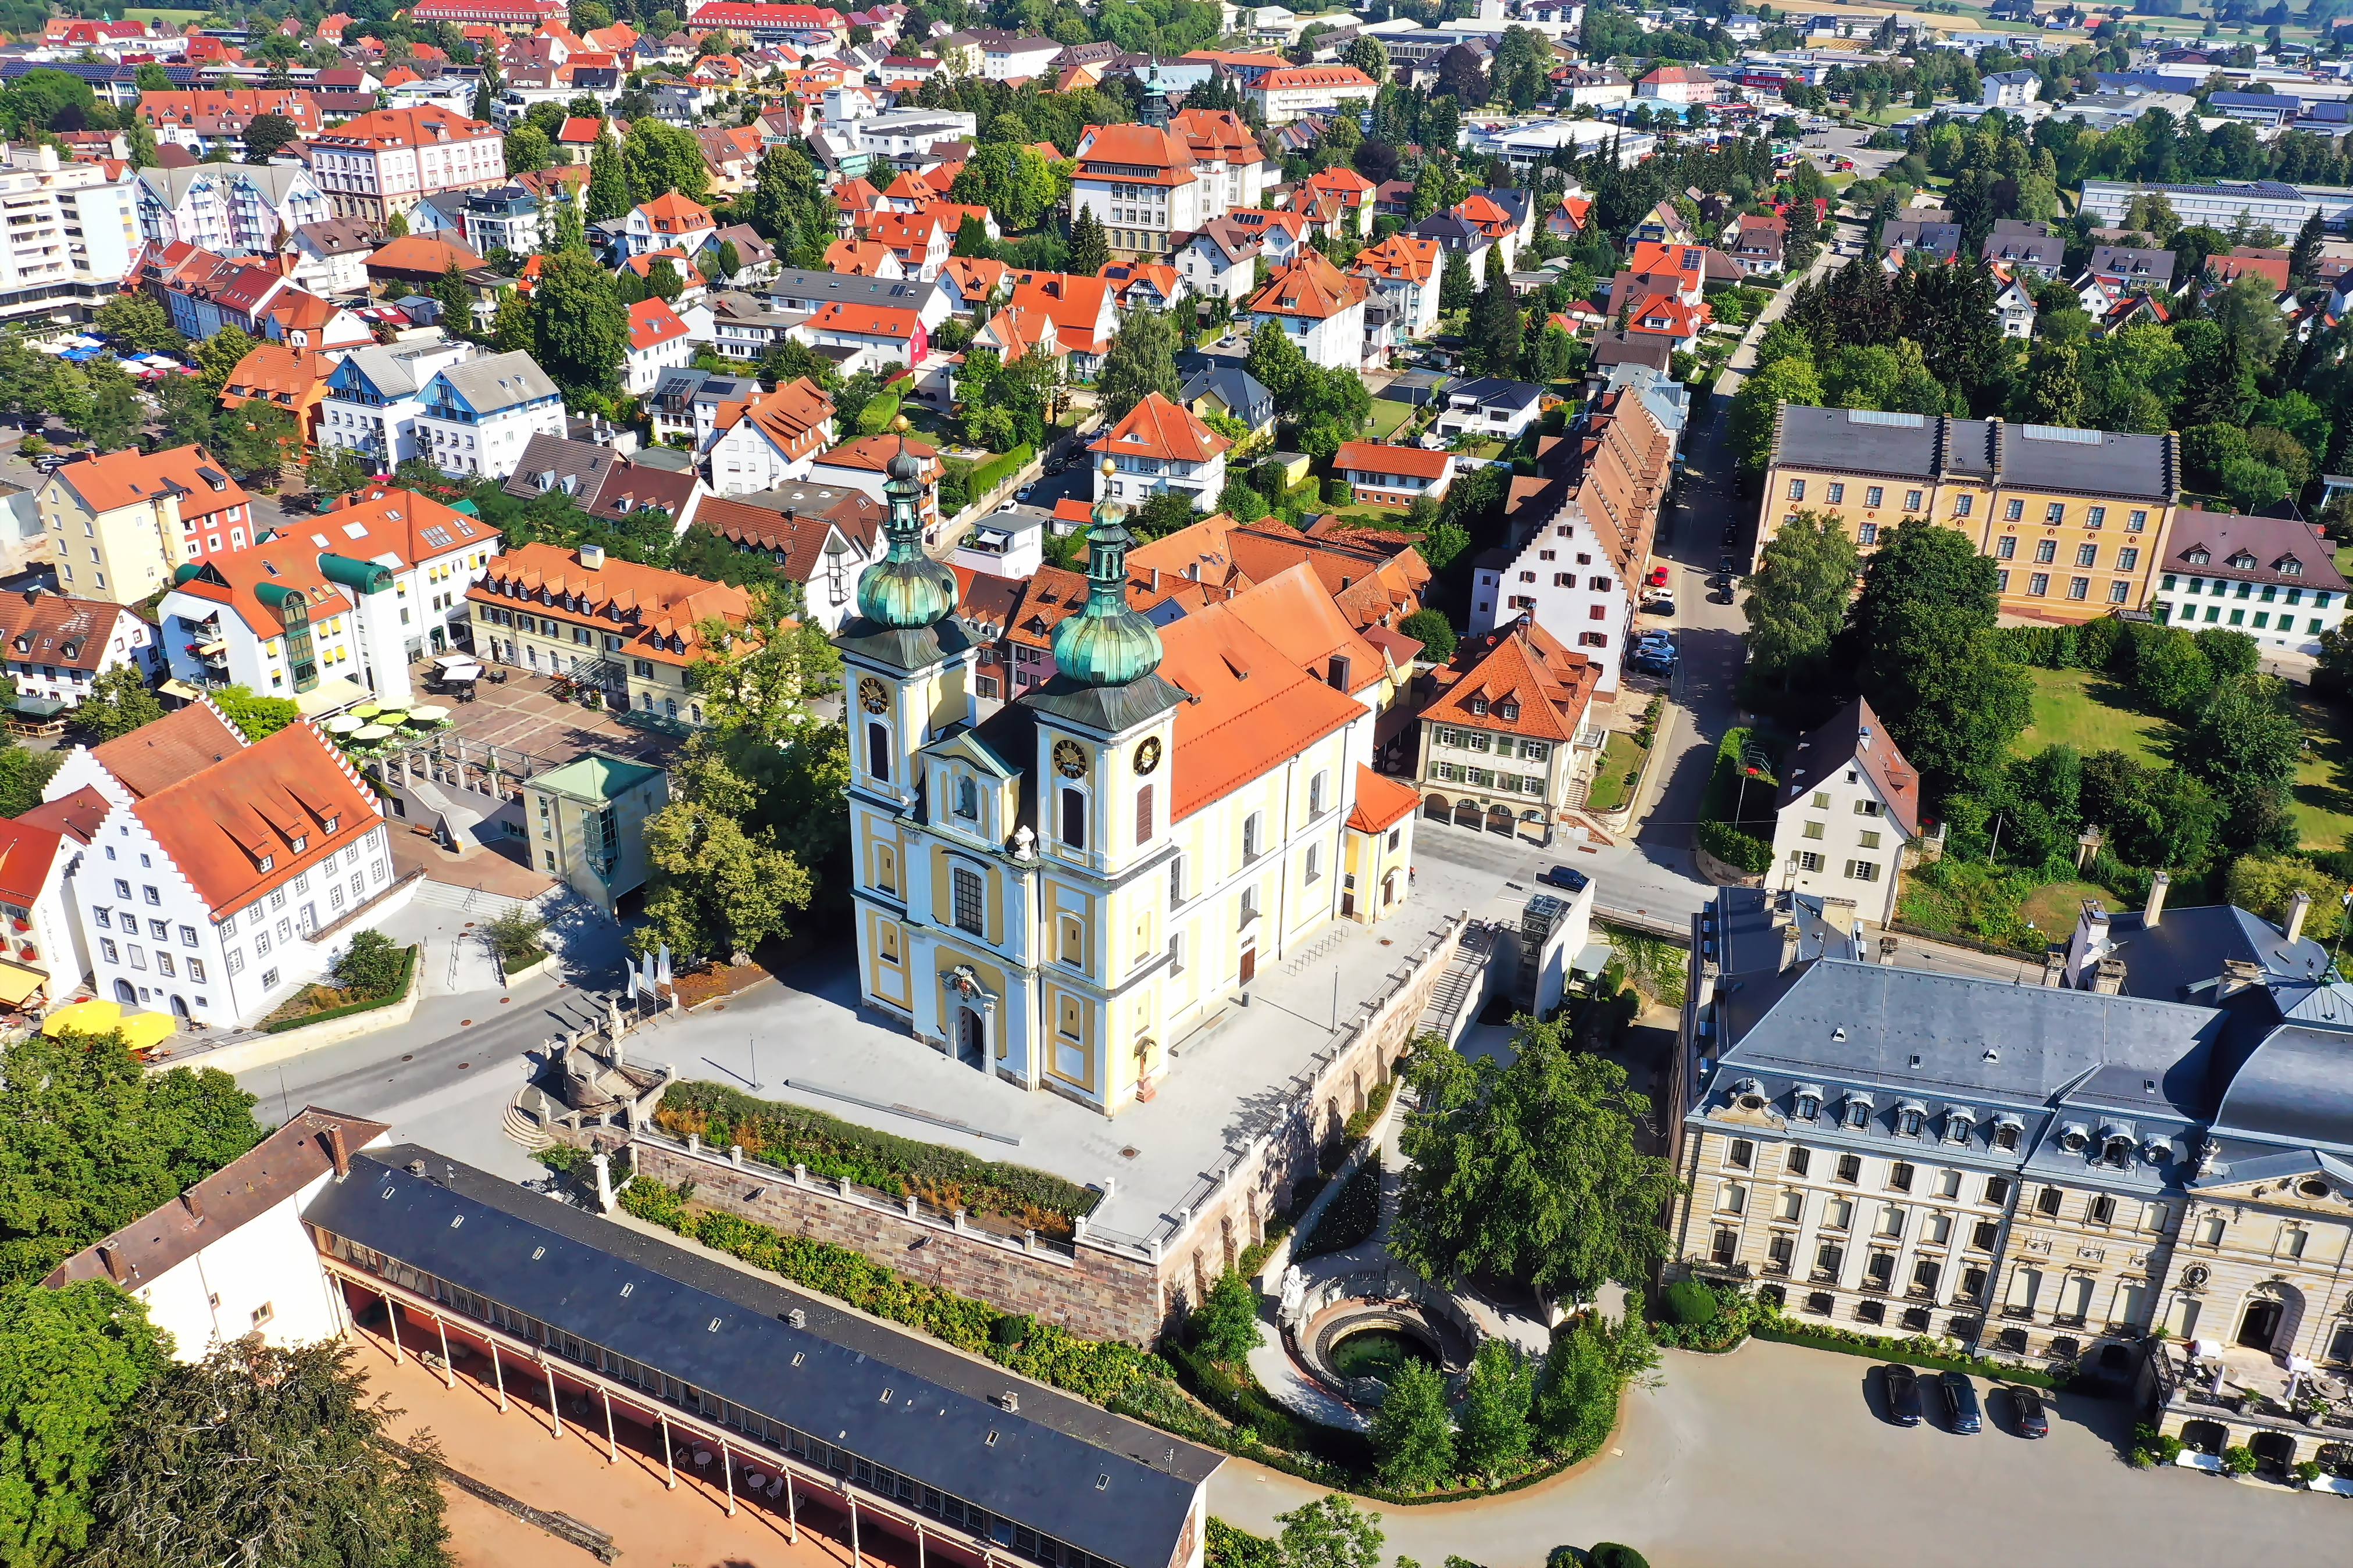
[[1776, 1457]]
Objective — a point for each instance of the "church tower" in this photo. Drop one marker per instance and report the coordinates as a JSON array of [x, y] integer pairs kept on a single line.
[[907, 671]]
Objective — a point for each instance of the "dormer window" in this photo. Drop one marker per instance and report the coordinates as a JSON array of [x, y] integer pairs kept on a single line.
[[1809, 1104], [1508, 710], [267, 861], [1858, 1110], [1479, 706], [2199, 556], [332, 820], [2242, 561], [2288, 566], [2073, 1138], [301, 842]]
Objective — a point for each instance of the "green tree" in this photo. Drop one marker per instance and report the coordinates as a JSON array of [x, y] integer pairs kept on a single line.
[[1275, 361], [608, 181], [370, 965], [139, 322], [528, 149], [1756, 406], [718, 890], [758, 679], [2244, 744], [579, 324], [1528, 1171], [256, 438], [456, 300], [219, 354], [1493, 330], [1411, 1437], [2053, 390], [1454, 283], [1141, 359], [1090, 246], [1432, 629], [1329, 1533], [266, 1455], [1495, 1404], [1367, 53], [1239, 501], [660, 159], [95, 1141], [70, 1361], [23, 772], [189, 407], [115, 416], [255, 717], [1586, 1371], [333, 472], [2267, 885], [1225, 1326], [118, 704], [1797, 602]]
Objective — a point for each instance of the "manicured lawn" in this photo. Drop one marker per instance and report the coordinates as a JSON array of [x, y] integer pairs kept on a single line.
[[1614, 777], [1388, 417], [2075, 707], [2323, 804], [2055, 907]]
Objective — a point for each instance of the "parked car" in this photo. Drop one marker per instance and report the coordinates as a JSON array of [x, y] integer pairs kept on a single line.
[[1655, 663], [1567, 876], [1726, 563], [1658, 577], [1903, 1386], [1023, 494], [1960, 1401], [2027, 1413], [1658, 602]]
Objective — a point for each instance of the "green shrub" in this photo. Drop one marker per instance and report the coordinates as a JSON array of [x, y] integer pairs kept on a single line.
[[1338, 493], [1227, 1547], [787, 1136], [374, 965], [1917, 1351], [1012, 1329], [998, 469], [1610, 1555], [1688, 1303], [2307, 1470], [1735, 848], [2238, 1459], [1361, 1122]]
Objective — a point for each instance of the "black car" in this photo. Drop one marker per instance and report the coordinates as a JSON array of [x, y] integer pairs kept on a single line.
[[1903, 1394], [2028, 1414], [1960, 1401], [1726, 563]]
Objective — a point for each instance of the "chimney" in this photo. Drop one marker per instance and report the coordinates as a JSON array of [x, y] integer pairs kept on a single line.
[[2238, 974], [592, 556], [2154, 908], [2108, 980], [113, 1261], [339, 1150], [2298, 908], [194, 1203], [2054, 967]]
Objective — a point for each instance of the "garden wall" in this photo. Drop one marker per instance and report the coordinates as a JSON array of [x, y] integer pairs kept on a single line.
[[1098, 1286]]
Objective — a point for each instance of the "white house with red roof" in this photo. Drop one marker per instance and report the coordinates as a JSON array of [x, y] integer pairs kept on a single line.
[[809, 26], [41, 951], [54, 645], [376, 164], [1350, 191], [1085, 316], [1849, 804], [1138, 181], [1321, 307], [1393, 475], [658, 341], [1677, 84], [1405, 272], [887, 332], [1285, 95], [223, 875], [1226, 159], [860, 464], [1280, 235], [668, 221], [1160, 446], [771, 441], [1503, 745]]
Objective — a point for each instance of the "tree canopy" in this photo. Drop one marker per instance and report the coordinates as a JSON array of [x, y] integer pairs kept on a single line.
[[71, 1359]]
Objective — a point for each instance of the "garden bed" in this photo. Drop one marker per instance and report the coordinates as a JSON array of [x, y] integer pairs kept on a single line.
[[1352, 1215], [1618, 772], [316, 1003], [1919, 1351], [786, 1135]]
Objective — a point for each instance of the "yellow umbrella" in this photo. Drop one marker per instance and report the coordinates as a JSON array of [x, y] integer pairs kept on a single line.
[[146, 1031], [91, 1017]]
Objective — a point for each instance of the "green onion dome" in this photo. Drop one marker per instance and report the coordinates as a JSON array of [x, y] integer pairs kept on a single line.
[[906, 589], [1107, 643]]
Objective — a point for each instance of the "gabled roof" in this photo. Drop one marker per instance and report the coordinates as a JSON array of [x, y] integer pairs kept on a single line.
[[791, 524], [1373, 456], [499, 381], [40, 627], [129, 477], [1854, 738], [653, 323], [656, 611], [1529, 685], [1402, 256], [183, 742], [1308, 287], [1292, 610], [1381, 802], [220, 825], [1237, 242], [423, 256], [866, 320], [1157, 428]]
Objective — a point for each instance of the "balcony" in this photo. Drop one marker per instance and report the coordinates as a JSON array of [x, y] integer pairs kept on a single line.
[[2019, 1314], [2067, 1320]]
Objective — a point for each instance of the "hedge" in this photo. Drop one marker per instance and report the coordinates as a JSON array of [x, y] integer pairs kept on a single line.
[[1224, 1546], [1735, 848], [997, 471], [1352, 1214], [1886, 1347], [946, 1178], [1098, 1370], [408, 971]]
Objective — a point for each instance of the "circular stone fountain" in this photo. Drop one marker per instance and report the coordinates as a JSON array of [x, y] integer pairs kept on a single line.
[[1355, 1345]]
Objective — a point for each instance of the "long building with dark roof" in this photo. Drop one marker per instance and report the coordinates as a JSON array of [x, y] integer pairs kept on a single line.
[[2075, 520], [2156, 1136], [910, 1428]]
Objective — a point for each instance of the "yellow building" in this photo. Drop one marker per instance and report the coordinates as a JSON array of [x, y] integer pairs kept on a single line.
[[2075, 520], [1058, 892], [121, 524]]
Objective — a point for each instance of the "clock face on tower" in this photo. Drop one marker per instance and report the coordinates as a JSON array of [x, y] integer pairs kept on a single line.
[[872, 696], [1070, 760], [1148, 753]]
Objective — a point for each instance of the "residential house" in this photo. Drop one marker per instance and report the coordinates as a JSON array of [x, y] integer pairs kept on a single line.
[[1227, 160], [41, 956], [374, 394], [1082, 310], [385, 162], [862, 465], [887, 335], [1220, 261], [1503, 745], [1848, 808], [605, 484], [2273, 578], [2027, 249], [820, 536], [284, 376], [476, 415], [54, 646], [1138, 181], [1679, 85], [1405, 272], [121, 523], [1490, 408], [331, 255], [631, 632], [1160, 446], [767, 441], [1321, 307], [669, 221], [1286, 94], [1755, 242], [230, 209], [2013, 306], [1393, 475], [1151, 284], [1229, 390], [203, 119]]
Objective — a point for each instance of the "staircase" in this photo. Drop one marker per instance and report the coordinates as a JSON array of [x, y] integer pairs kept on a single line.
[[1465, 972], [525, 1128]]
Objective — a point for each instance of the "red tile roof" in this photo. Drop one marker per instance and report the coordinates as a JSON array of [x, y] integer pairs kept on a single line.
[[653, 323], [1529, 685], [1254, 708], [1381, 802], [222, 824], [1373, 457], [1157, 428], [183, 742]]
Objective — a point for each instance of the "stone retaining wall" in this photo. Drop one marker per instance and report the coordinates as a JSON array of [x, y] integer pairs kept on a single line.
[[1099, 1289]]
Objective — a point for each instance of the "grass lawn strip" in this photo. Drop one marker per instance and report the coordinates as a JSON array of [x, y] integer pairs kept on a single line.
[[2072, 707], [1615, 775]]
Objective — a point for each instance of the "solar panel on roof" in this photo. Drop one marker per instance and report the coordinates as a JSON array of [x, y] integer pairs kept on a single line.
[[2060, 433], [1876, 416]]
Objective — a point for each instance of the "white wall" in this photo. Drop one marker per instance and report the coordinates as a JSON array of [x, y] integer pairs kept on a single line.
[[1565, 546], [1847, 809]]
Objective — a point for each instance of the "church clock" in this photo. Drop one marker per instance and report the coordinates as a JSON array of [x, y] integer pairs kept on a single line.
[[1148, 753], [1070, 760], [873, 696]]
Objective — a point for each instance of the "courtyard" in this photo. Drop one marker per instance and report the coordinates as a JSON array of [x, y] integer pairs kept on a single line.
[[1778, 1457]]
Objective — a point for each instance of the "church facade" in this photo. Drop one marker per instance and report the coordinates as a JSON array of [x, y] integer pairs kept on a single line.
[[1056, 891]]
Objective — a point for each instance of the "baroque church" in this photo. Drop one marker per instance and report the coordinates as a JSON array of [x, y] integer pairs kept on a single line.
[[1057, 889]]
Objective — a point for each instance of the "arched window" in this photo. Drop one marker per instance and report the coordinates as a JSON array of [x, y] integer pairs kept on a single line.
[[967, 798], [878, 752], [1074, 819], [1809, 1106]]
